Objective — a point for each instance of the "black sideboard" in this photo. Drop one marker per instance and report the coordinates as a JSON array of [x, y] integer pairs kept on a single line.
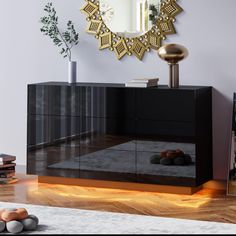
[[110, 132]]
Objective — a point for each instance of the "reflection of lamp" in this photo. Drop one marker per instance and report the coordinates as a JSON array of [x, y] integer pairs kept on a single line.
[[173, 53]]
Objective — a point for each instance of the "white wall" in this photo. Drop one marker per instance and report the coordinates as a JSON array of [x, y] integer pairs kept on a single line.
[[206, 28]]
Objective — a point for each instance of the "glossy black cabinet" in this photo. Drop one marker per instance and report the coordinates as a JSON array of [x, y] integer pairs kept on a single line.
[[111, 132]]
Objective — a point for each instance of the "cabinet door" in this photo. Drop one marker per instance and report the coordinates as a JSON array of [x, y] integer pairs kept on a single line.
[[107, 149], [151, 168], [53, 145]]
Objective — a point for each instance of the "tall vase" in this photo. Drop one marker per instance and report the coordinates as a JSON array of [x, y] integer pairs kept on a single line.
[[72, 72]]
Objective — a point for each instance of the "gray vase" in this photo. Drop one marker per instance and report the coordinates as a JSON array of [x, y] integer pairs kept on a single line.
[[72, 72]]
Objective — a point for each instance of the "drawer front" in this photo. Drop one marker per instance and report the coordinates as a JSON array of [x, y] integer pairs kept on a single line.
[[165, 105], [53, 100], [38, 97], [104, 102]]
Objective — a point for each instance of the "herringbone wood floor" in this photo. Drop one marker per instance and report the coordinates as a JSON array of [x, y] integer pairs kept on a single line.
[[209, 205]]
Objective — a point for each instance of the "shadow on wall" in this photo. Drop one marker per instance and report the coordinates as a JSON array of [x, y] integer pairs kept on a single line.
[[222, 113]]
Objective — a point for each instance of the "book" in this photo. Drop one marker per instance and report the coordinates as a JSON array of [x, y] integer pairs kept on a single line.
[[5, 162], [139, 85], [7, 175], [145, 80], [10, 181], [143, 83], [2, 171], [10, 168], [7, 165], [6, 157]]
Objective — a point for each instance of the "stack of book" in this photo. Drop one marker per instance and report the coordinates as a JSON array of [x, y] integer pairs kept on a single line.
[[143, 83], [7, 169]]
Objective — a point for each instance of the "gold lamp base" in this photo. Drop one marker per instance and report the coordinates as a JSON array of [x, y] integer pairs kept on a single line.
[[173, 53], [174, 76]]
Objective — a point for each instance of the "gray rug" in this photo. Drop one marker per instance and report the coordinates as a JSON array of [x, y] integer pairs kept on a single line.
[[55, 220], [122, 158]]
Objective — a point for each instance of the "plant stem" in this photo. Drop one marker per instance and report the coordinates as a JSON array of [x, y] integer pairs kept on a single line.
[[69, 49]]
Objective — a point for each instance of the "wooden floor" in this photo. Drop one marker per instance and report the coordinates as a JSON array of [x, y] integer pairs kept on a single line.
[[207, 204]]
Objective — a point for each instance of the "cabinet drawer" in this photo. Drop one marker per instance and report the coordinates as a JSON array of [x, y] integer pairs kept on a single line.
[[102, 102], [48, 130], [38, 97], [165, 128], [165, 105]]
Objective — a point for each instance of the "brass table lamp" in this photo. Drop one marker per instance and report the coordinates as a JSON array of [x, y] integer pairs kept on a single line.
[[173, 53]]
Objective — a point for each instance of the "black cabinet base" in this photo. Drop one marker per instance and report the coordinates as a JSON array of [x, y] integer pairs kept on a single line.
[[120, 185], [111, 132]]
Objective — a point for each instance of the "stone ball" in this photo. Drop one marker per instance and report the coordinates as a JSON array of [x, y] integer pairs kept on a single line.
[[29, 224], [166, 161], [33, 217], [2, 226], [179, 161], [187, 159], [14, 227], [155, 159]]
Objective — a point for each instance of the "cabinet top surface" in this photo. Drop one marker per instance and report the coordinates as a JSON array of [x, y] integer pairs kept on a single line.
[[114, 85]]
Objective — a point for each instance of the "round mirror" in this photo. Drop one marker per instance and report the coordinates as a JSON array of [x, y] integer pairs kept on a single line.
[[131, 27], [130, 18]]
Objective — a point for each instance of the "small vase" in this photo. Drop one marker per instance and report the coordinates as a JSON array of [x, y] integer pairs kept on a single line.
[[72, 69]]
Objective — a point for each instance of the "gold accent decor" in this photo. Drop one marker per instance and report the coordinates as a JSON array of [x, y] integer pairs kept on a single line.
[[89, 8], [172, 9], [120, 48], [154, 40], [94, 26], [166, 27], [138, 49], [105, 40], [137, 46]]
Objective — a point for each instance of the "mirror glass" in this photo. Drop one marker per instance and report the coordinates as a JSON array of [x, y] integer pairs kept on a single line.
[[130, 18]]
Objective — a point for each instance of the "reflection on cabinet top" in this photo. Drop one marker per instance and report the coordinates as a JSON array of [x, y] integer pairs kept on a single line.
[[116, 85], [117, 101]]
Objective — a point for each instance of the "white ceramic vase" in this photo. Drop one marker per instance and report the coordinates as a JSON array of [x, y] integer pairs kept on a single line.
[[72, 72]]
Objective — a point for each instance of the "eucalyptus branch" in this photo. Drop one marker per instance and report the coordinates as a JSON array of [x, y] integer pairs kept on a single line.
[[64, 40]]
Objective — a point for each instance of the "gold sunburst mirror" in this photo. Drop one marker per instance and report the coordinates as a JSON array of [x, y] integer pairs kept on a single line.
[[131, 27]]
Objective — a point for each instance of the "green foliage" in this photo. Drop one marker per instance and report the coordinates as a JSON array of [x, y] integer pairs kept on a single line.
[[64, 40], [153, 16]]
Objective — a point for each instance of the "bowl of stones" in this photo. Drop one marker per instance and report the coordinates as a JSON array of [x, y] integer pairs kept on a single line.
[[171, 157]]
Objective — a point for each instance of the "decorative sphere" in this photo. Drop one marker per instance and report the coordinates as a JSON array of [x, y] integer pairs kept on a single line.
[[172, 53], [2, 226], [33, 217], [29, 224], [14, 227]]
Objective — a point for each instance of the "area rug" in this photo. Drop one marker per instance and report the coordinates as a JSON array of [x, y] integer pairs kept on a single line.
[[122, 158], [55, 220]]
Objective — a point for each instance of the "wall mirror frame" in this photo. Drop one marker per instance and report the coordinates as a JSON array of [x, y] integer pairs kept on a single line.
[[137, 46]]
